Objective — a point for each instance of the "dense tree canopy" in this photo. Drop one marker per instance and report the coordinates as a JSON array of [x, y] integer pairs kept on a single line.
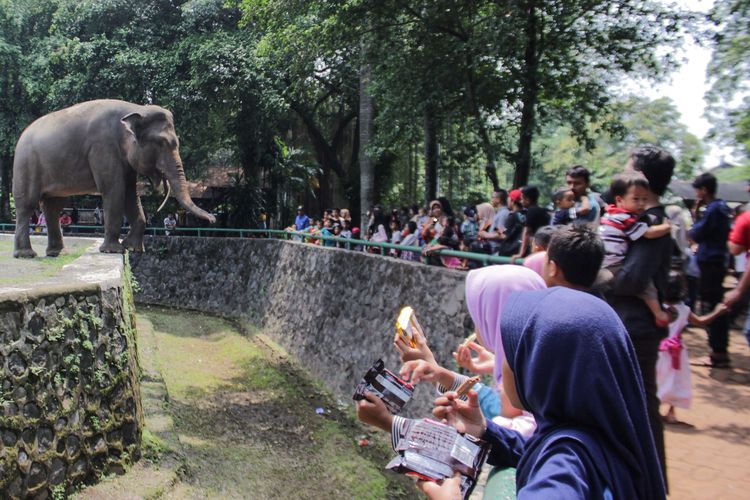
[[729, 73], [440, 97]]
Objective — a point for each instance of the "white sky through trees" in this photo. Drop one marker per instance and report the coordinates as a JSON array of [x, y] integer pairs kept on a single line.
[[687, 86]]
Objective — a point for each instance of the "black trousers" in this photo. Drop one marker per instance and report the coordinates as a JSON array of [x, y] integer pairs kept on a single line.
[[647, 352], [711, 290]]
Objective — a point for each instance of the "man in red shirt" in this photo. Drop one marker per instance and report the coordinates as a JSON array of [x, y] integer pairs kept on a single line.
[[739, 242]]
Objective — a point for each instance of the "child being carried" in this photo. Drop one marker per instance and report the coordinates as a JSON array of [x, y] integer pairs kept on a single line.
[[620, 226]]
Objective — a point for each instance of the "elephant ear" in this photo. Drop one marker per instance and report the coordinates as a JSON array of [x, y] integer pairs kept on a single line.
[[132, 123]]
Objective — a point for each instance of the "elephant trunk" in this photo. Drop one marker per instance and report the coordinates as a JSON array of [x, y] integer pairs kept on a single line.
[[178, 185]]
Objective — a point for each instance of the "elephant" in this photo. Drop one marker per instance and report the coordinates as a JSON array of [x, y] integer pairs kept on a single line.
[[96, 147]]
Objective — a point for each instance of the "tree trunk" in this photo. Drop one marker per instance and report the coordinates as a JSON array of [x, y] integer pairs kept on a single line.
[[407, 192], [415, 173], [366, 166], [528, 99], [490, 169], [6, 183], [430, 154]]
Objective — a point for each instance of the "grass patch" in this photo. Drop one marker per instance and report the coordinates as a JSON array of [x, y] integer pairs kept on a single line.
[[247, 423], [24, 271], [152, 447]]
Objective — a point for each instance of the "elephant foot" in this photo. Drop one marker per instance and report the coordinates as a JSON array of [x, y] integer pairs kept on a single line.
[[54, 251], [24, 253], [111, 248], [133, 246]]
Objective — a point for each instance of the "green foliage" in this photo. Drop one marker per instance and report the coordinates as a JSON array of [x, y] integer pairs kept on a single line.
[[643, 122], [273, 85], [729, 108]]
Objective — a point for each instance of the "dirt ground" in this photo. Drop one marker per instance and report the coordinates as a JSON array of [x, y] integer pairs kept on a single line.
[[707, 452]]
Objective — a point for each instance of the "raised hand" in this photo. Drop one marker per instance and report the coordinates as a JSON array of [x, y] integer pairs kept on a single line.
[[483, 363], [465, 416], [409, 353]]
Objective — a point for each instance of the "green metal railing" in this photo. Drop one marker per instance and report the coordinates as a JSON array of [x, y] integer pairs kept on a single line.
[[347, 243]]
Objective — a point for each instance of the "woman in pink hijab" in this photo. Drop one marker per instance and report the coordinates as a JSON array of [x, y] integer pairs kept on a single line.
[[487, 291]]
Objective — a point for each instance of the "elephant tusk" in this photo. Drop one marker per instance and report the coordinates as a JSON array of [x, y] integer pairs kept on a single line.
[[169, 191]]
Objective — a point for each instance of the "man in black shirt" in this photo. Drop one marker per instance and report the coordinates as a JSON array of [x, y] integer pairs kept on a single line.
[[536, 217], [648, 260]]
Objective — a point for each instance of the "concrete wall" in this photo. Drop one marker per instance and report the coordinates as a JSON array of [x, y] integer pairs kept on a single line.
[[69, 396], [334, 310]]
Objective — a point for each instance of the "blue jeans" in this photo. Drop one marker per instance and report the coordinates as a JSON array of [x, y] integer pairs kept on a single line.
[[747, 327]]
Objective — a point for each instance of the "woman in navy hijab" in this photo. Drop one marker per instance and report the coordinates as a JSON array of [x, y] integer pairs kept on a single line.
[[570, 363]]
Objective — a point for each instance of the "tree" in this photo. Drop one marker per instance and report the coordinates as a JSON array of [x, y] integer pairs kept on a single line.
[[20, 20], [366, 132], [312, 63], [643, 122], [568, 57], [513, 66], [728, 72]]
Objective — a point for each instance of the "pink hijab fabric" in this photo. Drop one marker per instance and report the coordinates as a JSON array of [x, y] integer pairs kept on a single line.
[[487, 291], [535, 262]]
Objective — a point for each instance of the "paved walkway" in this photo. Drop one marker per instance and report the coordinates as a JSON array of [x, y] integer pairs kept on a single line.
[[708, 454]]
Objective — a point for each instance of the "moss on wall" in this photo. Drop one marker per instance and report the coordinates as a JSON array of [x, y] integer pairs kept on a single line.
[[70, 408]]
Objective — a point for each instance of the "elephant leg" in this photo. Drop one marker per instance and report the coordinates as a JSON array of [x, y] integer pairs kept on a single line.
[[113, 202], [22, 244], [134, 211], [52, 208]]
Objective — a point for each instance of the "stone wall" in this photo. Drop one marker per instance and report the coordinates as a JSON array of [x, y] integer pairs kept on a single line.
[[69, 396], [333, 309]]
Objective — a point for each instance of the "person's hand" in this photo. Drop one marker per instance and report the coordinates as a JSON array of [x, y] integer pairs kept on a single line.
[[409, 353], [483, 364], [720, 309], [372, 411], [448, 489], [465, 416], [423, 371], [515, 256], [731, 298]]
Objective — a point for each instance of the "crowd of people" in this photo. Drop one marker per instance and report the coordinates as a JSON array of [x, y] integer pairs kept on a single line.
[[504, 226], [604, 290], [38, 221]]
